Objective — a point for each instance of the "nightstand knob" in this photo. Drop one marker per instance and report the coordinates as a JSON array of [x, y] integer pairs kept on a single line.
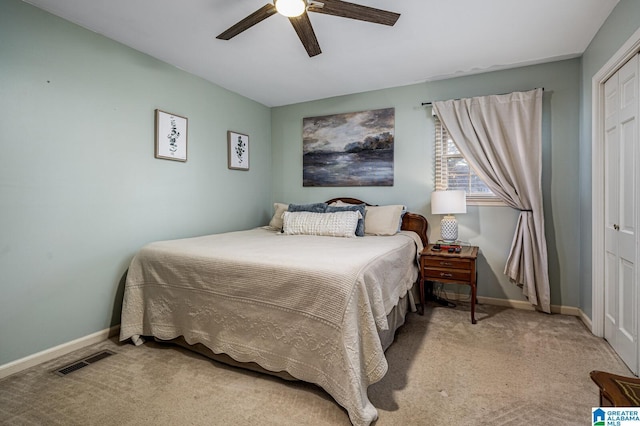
[[443, 274], [446, 263]]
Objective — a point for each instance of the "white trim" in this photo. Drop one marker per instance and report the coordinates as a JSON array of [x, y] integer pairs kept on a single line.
[[626, 52], [57, 351], [523, 304], [586, 320], [473, 200], [65, 348], [455, 296]]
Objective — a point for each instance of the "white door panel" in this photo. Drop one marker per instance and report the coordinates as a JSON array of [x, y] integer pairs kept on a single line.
[[621, 213], [611, 286]]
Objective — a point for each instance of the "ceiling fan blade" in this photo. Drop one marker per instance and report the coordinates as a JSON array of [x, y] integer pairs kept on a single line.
[[303, 27], [355, 11], [258, 16]]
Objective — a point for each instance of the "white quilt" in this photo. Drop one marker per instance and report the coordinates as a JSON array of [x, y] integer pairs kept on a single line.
[[308, 305]]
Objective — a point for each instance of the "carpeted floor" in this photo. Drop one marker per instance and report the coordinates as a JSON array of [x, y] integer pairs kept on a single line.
[[513, 367]]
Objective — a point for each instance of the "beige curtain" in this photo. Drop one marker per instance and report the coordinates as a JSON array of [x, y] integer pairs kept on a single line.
[[501, 138]]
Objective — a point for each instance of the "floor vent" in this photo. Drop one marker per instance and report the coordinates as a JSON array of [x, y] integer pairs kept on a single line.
[[77, 365]]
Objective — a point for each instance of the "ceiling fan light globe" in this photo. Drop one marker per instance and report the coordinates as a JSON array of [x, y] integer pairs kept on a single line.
[[290, 8]]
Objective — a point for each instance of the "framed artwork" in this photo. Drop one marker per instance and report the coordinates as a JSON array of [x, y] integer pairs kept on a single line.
[[171, 136], [238, 150], [352, 149]]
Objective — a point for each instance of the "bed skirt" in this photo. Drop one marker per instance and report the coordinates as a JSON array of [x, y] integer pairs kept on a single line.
[[396, 319]]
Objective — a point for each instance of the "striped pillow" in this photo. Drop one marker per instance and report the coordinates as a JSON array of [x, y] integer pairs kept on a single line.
[[338, 224]]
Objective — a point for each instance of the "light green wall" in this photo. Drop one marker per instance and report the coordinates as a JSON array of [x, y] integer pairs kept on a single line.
[[80, 189], [619, 26], [491, 228]]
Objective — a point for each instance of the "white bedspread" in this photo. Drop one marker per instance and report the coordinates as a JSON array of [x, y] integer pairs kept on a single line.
[[308, 305]]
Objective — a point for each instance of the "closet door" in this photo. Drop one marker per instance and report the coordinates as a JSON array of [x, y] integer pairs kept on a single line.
[[621, 191]]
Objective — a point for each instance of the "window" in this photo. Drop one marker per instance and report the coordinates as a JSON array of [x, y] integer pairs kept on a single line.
[[453, 172]]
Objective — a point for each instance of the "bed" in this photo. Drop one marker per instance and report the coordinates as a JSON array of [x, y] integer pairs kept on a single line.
[[313, 308]]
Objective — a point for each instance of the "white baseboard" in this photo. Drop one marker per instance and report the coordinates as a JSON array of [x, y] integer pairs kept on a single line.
[[586, 320], [522, 304], [57, 351], [65, 348]]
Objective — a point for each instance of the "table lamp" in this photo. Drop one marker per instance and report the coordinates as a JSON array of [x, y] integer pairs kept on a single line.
[[448, 203]]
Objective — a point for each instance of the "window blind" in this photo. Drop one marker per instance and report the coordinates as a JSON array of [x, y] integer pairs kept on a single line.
[[453, 172]]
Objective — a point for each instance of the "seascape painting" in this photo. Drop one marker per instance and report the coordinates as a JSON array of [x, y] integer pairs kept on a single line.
[[353, 149]]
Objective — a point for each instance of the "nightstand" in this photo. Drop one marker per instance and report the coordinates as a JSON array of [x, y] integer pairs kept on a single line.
[[449, 268]]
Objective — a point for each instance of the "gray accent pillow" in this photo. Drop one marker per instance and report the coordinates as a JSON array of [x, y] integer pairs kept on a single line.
[[351, 208], [314, 207]]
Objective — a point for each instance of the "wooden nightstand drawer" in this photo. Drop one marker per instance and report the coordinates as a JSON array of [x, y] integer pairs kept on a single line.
[[447, 274], [449, 268], [449, 263]]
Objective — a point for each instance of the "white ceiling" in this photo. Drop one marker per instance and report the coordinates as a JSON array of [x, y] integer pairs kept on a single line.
[[431, 40]]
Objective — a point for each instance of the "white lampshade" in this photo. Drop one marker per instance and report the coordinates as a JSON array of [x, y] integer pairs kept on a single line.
[[448, 202], [290, 8]]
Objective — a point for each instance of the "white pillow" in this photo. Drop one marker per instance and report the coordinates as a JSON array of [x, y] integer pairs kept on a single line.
[[276, 220], [338, 224], [382, 220]]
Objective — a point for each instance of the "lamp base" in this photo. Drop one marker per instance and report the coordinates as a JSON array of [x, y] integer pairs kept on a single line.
[[449, 229]]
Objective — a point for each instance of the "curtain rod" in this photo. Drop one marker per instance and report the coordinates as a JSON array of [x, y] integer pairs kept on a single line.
[[429, 103]]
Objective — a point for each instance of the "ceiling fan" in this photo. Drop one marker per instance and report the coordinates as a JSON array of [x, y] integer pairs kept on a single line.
[[296, 11]]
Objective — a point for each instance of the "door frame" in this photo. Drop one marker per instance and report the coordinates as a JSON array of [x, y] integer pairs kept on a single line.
[[629, 49]]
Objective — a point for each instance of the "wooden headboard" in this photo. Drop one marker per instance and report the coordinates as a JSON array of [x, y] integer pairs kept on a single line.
[[410, 221]]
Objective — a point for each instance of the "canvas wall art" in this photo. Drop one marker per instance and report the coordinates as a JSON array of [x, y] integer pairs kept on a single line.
[[171, 136], [237, 150], [352, 149]]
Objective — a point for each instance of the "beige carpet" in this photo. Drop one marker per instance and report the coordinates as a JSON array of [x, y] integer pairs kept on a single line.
[[512, 368]]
